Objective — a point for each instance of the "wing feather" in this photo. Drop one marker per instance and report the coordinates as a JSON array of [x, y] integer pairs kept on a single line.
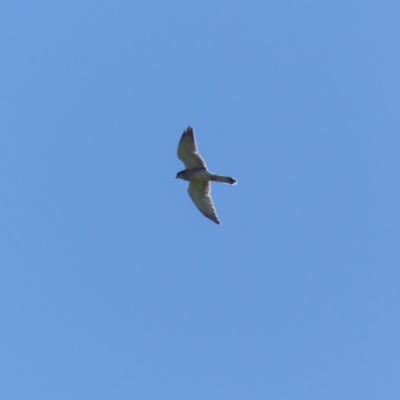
[[199, 192], [187, 150]]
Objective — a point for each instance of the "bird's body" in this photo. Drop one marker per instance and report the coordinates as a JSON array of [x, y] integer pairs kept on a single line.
[[202, 174], [197, 174]]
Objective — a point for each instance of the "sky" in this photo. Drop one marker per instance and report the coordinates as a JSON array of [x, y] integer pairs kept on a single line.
[[114, 286]]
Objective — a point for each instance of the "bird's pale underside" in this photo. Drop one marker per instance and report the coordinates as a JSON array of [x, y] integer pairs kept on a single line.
[[198, 176]]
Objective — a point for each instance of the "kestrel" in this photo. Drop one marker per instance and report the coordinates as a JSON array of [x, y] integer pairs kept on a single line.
[[199, 177]]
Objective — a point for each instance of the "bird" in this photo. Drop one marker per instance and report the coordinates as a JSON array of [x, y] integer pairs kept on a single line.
[[198, 175]]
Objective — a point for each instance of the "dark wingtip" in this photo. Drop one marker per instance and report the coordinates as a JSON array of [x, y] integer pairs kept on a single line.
[[232, 181], [215, 220]]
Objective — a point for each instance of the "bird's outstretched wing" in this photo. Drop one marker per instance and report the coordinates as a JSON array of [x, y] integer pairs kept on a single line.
[[199, 191], [187, 150]]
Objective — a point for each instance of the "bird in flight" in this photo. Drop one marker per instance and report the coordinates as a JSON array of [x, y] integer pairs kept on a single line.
[[198, 176]]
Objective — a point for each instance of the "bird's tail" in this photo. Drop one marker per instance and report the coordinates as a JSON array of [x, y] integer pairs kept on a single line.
[[223, 179]]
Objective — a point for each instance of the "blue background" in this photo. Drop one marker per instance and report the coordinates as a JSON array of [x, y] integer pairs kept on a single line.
[[113, 285]]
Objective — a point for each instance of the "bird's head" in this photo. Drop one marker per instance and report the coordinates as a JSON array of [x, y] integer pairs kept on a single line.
[[180, 175]]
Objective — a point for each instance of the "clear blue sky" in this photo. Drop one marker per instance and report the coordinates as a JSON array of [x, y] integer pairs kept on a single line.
[[114, 286]]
